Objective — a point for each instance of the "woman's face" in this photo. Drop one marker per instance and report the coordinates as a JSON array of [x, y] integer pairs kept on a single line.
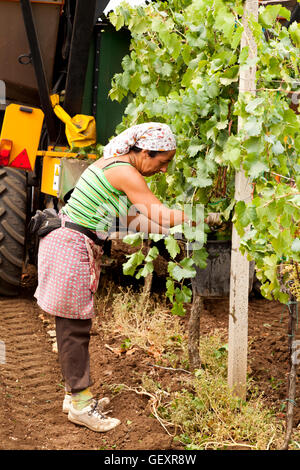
[[149, 166]]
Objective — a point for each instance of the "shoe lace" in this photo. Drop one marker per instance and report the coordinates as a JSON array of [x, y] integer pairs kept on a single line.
[[96, 411]]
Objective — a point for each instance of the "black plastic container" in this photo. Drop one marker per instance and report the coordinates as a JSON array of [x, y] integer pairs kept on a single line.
[[214, 281]]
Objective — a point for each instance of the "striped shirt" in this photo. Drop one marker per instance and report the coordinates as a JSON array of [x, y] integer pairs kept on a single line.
[[95, 203]]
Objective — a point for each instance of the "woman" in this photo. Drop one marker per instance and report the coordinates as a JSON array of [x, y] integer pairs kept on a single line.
[[68, 262]]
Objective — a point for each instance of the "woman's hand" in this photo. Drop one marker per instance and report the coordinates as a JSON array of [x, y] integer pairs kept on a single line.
[[213, 219]]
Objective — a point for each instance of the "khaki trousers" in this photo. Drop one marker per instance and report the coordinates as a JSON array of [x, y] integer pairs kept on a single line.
[[73, 337]]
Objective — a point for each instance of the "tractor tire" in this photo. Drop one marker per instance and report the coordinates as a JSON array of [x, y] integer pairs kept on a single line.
[[13, 208]]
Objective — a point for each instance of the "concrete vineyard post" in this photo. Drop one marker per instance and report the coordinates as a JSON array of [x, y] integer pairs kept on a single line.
[[239, 276]]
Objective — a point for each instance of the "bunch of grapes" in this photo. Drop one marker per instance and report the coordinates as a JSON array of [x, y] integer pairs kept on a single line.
[[291, 273]]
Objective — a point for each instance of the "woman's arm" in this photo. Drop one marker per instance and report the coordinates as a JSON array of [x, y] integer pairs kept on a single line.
[[140, 223], [133, 184]]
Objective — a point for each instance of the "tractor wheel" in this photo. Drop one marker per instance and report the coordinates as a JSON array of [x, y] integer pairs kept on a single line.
[[13, 207]]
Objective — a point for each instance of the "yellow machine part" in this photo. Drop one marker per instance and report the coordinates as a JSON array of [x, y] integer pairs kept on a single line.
[[51, 172], [80, 129], [22, 125], [50, 175]]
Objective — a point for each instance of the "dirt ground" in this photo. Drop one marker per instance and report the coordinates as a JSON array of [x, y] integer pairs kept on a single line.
[[32, 392]]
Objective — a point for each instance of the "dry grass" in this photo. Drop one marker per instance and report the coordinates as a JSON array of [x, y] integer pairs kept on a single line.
[[144, 320], [211, 418]]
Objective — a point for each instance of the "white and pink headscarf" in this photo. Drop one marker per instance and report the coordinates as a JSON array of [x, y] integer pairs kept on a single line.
[[148, 136]]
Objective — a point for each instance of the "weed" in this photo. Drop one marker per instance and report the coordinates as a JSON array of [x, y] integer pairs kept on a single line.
[[126, 345], [116, 389], [275, 383], [146, 321]]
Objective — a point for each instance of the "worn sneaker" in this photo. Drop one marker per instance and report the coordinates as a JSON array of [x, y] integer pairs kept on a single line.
[[92, 417], [102, 403]]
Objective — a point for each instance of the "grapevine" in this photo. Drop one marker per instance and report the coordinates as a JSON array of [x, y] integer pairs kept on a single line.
[[183, 69]]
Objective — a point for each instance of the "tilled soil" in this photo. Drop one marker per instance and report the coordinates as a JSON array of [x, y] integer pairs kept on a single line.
[[32, 392]]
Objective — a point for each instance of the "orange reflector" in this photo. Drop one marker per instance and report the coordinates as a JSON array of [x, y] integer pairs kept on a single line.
[[5, 151]]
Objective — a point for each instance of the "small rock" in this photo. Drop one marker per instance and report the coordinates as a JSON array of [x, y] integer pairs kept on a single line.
[[54, 347], [44, 320], [51, 333]]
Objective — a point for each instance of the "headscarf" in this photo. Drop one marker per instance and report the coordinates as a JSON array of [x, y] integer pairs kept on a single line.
[[148, 136]]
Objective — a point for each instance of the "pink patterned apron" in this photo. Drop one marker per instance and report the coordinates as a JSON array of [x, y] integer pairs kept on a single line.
[[69, 266]]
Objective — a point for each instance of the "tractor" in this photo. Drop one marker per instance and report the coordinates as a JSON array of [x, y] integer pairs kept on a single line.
[[54, 48]]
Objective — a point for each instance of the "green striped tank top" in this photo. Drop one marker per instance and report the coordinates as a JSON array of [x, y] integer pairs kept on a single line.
[[94, 202]]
